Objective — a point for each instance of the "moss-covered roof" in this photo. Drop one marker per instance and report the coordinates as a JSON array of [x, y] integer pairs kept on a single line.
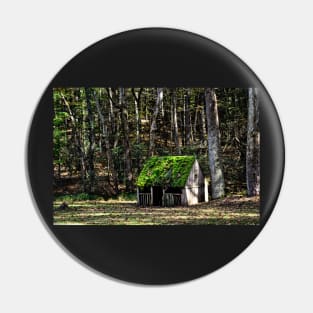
[[171, 171]]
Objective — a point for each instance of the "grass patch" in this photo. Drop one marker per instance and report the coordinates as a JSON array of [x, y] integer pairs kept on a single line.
[[227, 211], [126, 196], [87, 200], [77, 197]]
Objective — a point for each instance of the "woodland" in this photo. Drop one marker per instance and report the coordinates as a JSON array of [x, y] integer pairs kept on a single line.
[[102, 137]]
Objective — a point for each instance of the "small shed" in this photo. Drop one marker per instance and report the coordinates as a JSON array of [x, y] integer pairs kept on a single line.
[[170, 180]]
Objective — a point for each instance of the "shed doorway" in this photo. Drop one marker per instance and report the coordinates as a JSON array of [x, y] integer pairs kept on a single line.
[[157, 194]]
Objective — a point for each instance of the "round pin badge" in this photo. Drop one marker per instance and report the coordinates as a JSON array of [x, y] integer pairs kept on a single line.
[[155, 156]]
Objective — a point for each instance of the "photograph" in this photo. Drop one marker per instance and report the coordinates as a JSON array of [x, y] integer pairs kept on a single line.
[[156, 156]]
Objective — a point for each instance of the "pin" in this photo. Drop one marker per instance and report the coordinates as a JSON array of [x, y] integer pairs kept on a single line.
[[155, 156]]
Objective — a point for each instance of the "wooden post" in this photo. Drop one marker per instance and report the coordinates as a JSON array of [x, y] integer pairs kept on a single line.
[[163, 198], [151, 188], [138, 199], [206, 189]]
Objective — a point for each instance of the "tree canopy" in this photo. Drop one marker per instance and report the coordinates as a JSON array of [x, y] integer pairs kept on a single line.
[[103, 137]]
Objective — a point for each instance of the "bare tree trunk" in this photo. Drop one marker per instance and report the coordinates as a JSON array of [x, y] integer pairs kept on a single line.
[[137, 120], [137, 95], [91, 142], [176, 135], [215, 164], [162, 105], [128, 161], [111, 111], [187, 118], [79, 147], [104, 129], [201, 103], [204, 132], [115, 118], [153, 126], [253, 145], [195, 124]]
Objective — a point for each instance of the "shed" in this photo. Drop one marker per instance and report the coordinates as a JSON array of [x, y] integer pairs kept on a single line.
[[170, 180]]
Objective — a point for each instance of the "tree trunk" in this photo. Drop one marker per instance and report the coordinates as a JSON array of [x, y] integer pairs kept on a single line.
[[128, 161], [78, 142], [111, 111], [176, 135], [187, 118], [253, 145], [195, 124], [153, 126], [137, 95], [201, 103], [91, 142], [215, 164], [105, 134]]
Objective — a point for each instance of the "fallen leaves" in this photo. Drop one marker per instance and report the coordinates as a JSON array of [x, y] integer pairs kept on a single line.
[[234, 210]]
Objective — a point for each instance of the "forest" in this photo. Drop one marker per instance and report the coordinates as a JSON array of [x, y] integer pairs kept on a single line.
[[103, 139]]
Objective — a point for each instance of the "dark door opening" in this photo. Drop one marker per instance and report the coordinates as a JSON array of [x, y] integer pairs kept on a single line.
[[157, 195]]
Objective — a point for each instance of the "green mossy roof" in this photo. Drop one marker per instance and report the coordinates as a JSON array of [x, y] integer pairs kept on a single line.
[[170, 171]]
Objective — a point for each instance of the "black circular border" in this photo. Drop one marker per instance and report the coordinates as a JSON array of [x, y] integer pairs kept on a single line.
[[166, 254]]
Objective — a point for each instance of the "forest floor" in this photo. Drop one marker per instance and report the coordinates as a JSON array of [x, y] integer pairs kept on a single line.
[[232, 210]]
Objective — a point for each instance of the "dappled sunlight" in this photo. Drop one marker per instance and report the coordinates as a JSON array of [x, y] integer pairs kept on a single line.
[[116, 147], [228, 211]]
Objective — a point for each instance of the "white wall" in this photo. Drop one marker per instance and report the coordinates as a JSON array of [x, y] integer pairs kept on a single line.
[[194, 187]]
